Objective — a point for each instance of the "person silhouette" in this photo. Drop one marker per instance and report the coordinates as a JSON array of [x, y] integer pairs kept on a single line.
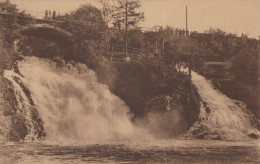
[[183, 32], [50, 15], [46, 15], [54, 15]]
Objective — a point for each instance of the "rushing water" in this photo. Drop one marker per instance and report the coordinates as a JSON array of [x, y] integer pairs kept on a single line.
[[74, 119], [73, 106], [220, 116]]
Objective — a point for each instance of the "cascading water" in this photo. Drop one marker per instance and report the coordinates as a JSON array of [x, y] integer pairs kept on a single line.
[[26, 108], [65, 102], [221, 117], [72, 105]]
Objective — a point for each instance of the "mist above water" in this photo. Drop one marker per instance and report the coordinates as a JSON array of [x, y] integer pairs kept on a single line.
[[73, 106]]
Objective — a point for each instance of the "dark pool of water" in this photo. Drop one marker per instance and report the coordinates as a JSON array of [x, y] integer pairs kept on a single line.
[[183, 151]]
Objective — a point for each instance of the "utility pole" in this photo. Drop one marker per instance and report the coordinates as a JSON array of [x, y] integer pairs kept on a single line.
[[126, 27], [163, 46], [156, 41], [186, 21]]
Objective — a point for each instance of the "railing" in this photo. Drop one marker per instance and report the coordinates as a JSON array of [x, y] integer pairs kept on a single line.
[[217, 63], [224, 64], [118, 54], [29, 17]]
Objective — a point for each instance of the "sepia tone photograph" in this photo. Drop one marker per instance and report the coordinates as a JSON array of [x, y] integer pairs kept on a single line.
[[129, 81]]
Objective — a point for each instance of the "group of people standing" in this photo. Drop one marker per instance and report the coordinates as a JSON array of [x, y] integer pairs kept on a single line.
[[50, 15]]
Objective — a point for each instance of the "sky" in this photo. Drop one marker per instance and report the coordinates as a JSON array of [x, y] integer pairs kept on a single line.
[[235, 16]]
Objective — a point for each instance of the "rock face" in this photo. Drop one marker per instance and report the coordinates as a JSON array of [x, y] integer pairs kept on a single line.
[[172, 116], [13, 124], [166, 109], [14, 128], [7, 109]]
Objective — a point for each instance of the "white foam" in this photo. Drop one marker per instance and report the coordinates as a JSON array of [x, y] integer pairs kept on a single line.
[[73, 106], [225, 118]]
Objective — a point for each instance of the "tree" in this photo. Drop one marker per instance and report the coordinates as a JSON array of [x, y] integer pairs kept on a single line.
[[9, 31], [244, 66], [125, 13], [9, 23], [12, 22], [120, 13], [7, 7], [215, 31], [86, 23], [108, 10], [88, 28], [185, 50]]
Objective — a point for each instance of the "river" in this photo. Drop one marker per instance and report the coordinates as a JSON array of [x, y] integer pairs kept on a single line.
[[168, 151]]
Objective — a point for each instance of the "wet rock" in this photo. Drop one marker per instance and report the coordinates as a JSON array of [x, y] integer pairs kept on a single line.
[[208, 110], [18, 130], [253, 136]]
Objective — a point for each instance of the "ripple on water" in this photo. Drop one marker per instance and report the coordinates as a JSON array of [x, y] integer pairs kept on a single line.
[[199, 151]]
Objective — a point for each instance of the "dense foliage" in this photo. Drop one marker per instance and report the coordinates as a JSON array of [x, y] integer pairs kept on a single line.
[[9, 32], [151, 88]]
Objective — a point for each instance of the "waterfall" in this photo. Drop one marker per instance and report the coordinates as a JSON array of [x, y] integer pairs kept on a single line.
[[64, 103], [221, 117], [72, 105]]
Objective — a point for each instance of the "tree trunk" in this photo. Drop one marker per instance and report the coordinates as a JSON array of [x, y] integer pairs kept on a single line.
[[189, 71]]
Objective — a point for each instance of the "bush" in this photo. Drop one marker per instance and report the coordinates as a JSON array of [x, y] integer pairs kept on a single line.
[[245, 67]]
